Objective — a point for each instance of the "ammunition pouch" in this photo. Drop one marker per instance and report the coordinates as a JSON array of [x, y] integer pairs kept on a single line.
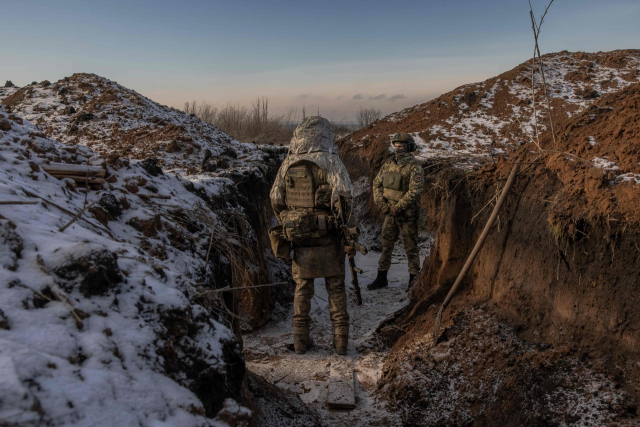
[[392, 180], [392, 186], [299, 225], [279, 245], [318, 261]]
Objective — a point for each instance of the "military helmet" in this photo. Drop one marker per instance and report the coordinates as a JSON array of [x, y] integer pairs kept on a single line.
[[407, 139]]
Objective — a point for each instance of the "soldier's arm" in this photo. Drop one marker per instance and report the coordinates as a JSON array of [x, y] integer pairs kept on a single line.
[[377, 188], [416, 185], [277, 210]]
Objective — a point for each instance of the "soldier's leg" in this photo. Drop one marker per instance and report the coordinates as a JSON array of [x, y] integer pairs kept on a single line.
[[302, 304], [409, 230], [338, 304], [389, 238]]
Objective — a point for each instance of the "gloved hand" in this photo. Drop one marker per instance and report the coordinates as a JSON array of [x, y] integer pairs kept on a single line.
[[385, 209], [393, 211]]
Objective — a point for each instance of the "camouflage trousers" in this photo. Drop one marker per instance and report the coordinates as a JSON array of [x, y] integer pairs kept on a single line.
[[337, 303], [391, 228]]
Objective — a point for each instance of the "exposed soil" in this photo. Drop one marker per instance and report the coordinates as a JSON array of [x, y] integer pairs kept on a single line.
[[546, 330]]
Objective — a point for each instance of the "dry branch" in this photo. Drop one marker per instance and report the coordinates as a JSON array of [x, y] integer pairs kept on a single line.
[[536, 34], [73, 170], [153, 196], [80, 179], [19, 202], [30, 194], [75, 218]]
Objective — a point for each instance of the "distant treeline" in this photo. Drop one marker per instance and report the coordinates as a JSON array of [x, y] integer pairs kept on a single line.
[[254, 124]]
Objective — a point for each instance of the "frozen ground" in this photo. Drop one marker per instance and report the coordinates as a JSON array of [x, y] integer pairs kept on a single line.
[[269, 351]]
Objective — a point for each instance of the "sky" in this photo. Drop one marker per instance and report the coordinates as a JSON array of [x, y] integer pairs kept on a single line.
[[334, 57]]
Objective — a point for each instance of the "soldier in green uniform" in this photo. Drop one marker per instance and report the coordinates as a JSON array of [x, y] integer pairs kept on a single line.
[[396, 192], [309, 185]]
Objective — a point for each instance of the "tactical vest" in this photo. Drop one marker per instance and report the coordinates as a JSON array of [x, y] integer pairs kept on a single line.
[[308, 200], [301, 189], [394, 186]]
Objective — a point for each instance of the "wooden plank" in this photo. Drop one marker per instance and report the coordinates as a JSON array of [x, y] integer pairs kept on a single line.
[[153, 196], [341, 393], [81, 179], [73, 169]]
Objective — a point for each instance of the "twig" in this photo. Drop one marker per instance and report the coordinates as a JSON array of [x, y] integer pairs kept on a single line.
[[19, 202], [153, 196], [213, 229], [86, 188], [480, 211], [59, 294], [527, 132], [228, 289], [75, 218], [533, 97], [64, 299], [30, 194], [41, 295], [320, 298]]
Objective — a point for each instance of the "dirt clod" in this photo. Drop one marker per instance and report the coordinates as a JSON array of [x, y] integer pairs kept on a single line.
[[94, 273], [151, 166], [10, 245]]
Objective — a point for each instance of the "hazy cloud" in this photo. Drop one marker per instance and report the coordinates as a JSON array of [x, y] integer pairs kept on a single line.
[[394, 97], [358, 96], [304, 96], [381, 96]]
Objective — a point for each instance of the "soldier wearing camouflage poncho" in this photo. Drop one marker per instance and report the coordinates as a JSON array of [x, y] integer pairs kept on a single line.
[[396, 192], [304, 196]]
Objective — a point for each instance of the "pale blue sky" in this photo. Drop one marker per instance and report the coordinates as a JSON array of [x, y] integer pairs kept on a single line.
[[334, 55]]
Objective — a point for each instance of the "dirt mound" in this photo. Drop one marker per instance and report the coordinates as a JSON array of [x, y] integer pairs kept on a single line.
[[478, 121], [103, 303], [115, 121], [485, 374], [556, 280]]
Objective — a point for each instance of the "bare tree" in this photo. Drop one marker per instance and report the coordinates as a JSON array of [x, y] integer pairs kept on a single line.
[[366, 116], [190, 107], [203, 111], [536, 33]]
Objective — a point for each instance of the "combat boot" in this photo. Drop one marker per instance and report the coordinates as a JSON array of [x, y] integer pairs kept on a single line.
[[380, 282], [302, 343], [340, 343]]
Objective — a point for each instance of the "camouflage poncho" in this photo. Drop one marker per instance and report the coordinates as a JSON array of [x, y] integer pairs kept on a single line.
[[314, 141]]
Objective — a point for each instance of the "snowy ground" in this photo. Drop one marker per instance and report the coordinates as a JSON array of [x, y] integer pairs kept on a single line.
[[269, 351]]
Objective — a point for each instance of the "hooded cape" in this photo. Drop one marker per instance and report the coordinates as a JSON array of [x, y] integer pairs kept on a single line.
[[314, 141]]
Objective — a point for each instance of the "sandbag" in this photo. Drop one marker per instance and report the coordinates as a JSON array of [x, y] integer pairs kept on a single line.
[[279, 245]]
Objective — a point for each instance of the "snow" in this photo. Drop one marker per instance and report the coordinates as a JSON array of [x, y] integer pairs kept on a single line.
[[478, 120], [268, 351], [604, 163], [109, 370], [123, 120]]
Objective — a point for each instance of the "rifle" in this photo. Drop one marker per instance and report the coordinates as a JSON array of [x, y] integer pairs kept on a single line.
[[348, 237]]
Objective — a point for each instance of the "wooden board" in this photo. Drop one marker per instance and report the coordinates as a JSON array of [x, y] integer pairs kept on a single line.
[[341, 393], [71, 169]]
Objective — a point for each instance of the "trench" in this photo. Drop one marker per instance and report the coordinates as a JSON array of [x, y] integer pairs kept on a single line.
[[538, 335], [544, 331]]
